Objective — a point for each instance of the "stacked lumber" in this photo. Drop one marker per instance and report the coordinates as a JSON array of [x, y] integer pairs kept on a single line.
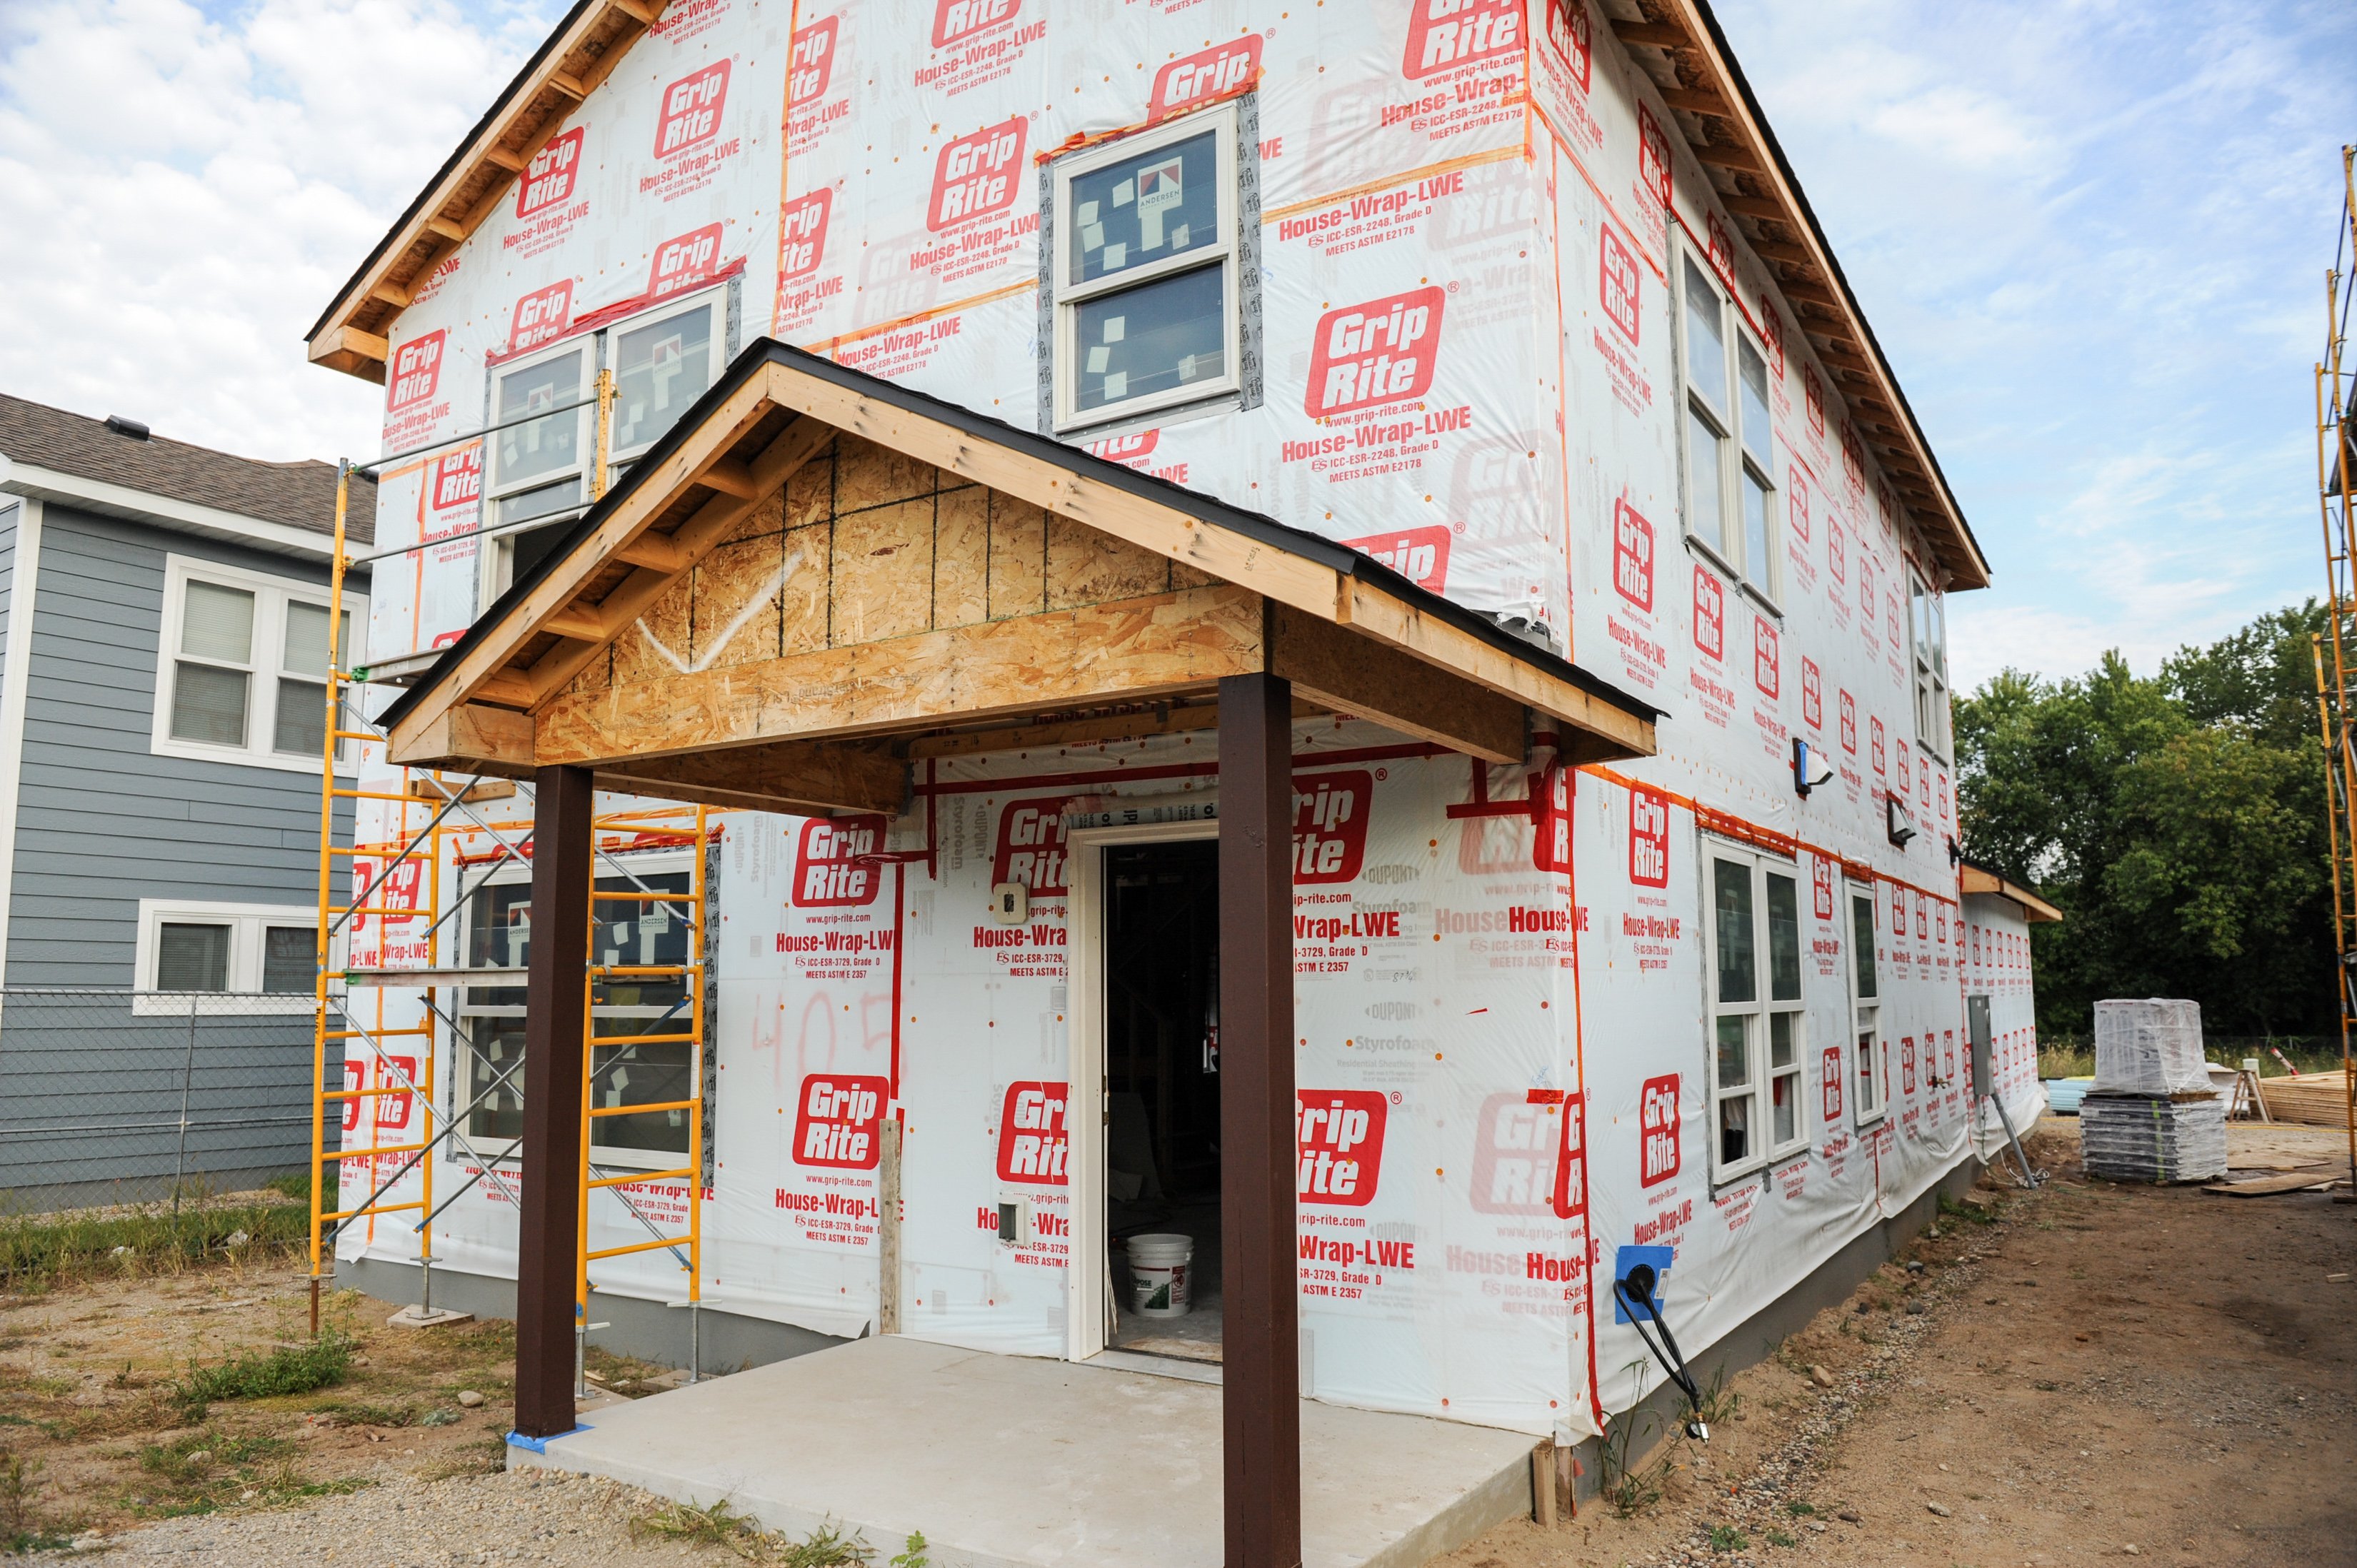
[[2153, 1137], [2319, 1099]]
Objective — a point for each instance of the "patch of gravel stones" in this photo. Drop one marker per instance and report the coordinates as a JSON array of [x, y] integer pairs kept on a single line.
[[535, 1517], [1758, 1502]]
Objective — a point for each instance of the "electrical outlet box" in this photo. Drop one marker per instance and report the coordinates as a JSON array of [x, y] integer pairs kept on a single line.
[[1010, 902], [1014, 1221]]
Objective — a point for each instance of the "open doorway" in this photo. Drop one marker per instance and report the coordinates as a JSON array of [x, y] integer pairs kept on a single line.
[[1161, 926]]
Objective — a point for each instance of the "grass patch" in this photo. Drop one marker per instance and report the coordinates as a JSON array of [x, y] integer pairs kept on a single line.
[[268, 1374], [718, 1524], [1726, 1538], [1950, 1209], [40, 1252], [1630, 1490], [1778, 1537], [1800, 1509], [194, 1458], [483, 1456], [296, 1185], [361, 1414]]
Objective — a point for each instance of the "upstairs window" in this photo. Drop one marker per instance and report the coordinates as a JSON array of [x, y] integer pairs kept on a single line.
[[1757, 1022], [1730, 444], [1928, 630], [242, 671], [663, 362], [1146, 276], [1870, 1072]]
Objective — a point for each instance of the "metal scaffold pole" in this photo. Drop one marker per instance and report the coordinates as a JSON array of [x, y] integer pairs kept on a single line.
[[2336, 483]]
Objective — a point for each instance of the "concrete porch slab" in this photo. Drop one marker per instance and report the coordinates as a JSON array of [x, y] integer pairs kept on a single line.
[[1011, 1462]]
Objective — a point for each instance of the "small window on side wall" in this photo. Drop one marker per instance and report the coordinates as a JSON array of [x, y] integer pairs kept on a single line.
[[1870, 1073], [1729, 435], [1146, 276], [1758, 1024], [235, 958]]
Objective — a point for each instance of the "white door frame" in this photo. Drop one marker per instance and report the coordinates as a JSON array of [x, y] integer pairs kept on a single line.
[[1086, 1303]]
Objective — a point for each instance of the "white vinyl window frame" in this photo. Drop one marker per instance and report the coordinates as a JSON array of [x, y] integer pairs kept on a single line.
[[1927, 635], [713, 298], [1869, 1065], [1069, 295], [1726, 435], [1757, 1043], [265, 667], [459, 1070], [241, 994]]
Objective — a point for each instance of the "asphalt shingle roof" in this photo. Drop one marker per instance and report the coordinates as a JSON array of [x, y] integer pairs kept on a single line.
[[299, 495]]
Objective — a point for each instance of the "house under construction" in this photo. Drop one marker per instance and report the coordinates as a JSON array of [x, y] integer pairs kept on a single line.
[[1084, 716]]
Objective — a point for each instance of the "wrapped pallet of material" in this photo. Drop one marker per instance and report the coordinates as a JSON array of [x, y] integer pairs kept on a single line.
[[2153, 1137], [2149, 1046]]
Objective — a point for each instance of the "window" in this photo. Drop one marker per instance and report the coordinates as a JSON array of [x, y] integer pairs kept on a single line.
[[1730, 438], [1928, 630], [643, 1011], [1145, 275], [258, 957], [1757, 1024], [661, 361], [242, 666], [1871, 1072]]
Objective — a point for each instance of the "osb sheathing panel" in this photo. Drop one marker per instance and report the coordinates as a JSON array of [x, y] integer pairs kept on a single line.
[[865, 544]]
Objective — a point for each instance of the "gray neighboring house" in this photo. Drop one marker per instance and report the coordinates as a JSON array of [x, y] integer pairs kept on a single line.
[[163, 641]]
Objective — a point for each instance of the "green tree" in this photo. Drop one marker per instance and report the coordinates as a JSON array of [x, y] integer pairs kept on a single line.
[[2176, 820]]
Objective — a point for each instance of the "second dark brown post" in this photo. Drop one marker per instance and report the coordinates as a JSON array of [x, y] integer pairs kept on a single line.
[[554, 1027], [1260, 1383]]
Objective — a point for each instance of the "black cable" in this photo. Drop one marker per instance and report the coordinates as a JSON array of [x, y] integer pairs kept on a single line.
[[1666, 1353]]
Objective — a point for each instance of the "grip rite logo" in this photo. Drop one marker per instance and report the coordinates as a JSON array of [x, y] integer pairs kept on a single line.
[[1445, 34], [1882, 760], [1526, 1154], [1813, 694], [1339, 1136], [541, 317], [1030, 850], [1619, 287], [1419, 554], [1849, 723], [1649, 838], [690, 110], [416, 371], [1131, 450], [682, 264], [813, 61], [1632, 556], [1833, 1084], [1204, 76], [1796, 510], [977, 175], [954, 21], [549, 178], [1033, 1134], [1821, 887], [1709, 612], [459, 479], [1653, 156], [1658, 1156], [802, 233], [1329, 826], [1381, 351], [838, 1121], [1569, 34], [831, 867], [1767, 668]]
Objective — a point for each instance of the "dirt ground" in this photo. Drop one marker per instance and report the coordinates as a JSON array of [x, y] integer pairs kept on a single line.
[[2087, 1371]]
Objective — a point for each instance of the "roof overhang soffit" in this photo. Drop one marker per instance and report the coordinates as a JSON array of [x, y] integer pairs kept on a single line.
[[1679, 45], [584, 49], [778, 407]]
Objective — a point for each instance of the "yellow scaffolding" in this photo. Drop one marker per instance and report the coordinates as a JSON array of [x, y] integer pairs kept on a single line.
[[2335, 647], [399, 878]]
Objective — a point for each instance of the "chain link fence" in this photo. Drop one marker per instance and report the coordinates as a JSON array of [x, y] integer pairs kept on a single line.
[[110, 1095]]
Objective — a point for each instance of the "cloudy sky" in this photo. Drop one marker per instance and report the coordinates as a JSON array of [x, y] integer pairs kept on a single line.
[[2091, 234]]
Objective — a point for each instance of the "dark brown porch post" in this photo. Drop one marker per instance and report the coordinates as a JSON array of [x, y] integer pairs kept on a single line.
[[555, 999], [1259, 1384]]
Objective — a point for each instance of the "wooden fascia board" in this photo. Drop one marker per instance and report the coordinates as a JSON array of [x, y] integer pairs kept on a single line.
[[1357, 674], [467, 738], [793, 777], [1165, 529], [1379, 614], [1738, 112], [1130, 651], [325, 345], [1972, 879]]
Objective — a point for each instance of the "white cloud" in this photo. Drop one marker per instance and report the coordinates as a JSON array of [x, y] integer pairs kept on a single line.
[[185, 191]]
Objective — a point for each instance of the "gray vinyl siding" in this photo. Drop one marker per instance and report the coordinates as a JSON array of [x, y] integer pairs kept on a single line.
[[102, 822], [9, 512]]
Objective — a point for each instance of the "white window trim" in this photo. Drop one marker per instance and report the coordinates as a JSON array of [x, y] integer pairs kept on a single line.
[[1927, 668], [1760, 1089], [1860, 1008], [717, 296], [271, 596], [497, 486], [1737, 465], [1070, 296], [246, 923], [460, 1071]]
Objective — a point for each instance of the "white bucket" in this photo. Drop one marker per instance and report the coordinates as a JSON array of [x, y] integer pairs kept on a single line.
[[1157, 1274]]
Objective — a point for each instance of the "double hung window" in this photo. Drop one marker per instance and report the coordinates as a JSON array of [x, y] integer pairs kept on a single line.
[[1928, 630], [242, 671], [1869, 1072], [1756, 1018], [1730, 442], [205, 946], [650, 1017], [1144, 269]]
